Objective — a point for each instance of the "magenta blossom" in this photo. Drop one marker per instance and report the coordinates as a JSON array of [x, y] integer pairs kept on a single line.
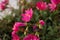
[[15, 37], [42, 22], [52, 6], [3, 4], [55, 1], [17, 25], [26, 17], [15, 29], [31, 37], [41, 5]]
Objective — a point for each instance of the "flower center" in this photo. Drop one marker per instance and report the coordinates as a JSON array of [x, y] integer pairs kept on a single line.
[[28, 15]]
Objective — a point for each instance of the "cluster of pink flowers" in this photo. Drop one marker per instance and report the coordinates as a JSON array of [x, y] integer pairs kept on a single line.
[[44, 5], [16, 29], [3, 4], [27, 15]]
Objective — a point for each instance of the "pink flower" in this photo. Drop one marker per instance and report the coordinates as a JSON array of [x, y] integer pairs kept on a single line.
[[15, 37], [31, 37], [55, 1], [26, 17], [15, 29], [42, 22], [52, 6], [17, 25], [41, 5], [3, 4]]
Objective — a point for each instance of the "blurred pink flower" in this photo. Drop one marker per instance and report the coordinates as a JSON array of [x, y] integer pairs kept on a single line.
[[52, 6], [17, 25], [3, 4], [15, 29], [31, 37], [26, 17], [42, 22], [15, 37], [55, 1], [41, 5]]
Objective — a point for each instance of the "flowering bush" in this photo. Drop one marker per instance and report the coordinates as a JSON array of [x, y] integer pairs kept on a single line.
[[29, 20]]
